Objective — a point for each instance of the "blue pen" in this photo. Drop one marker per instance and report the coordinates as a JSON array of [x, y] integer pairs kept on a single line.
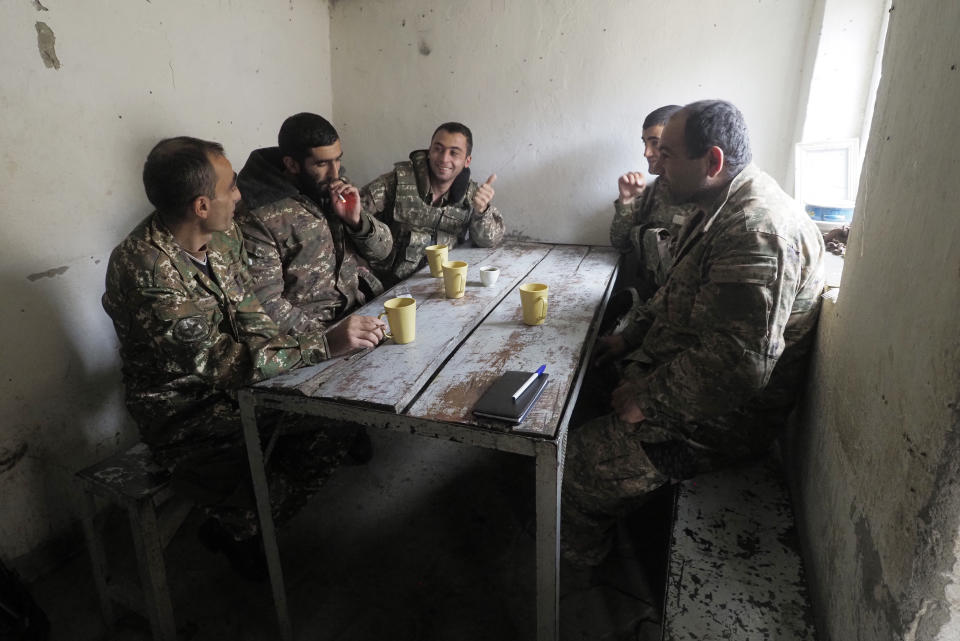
[[527, 383]]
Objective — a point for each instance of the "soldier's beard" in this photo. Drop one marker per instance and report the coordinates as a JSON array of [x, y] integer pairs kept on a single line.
[[318, 192]]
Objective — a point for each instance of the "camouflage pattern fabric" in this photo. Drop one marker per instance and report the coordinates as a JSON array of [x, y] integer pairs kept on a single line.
[[647, 229], [215, 472], [188, 341], [721, 349], [607, 475], [400, 199], [309, 268]]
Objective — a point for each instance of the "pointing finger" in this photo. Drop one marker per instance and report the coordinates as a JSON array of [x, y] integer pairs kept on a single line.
[[490, 180]]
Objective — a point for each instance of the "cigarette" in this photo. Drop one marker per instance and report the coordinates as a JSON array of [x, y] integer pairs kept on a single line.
[[342, 199]]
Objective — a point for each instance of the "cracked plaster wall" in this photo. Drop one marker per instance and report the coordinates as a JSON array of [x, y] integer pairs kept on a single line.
[[73, 139], [875, 457], [556, 91]]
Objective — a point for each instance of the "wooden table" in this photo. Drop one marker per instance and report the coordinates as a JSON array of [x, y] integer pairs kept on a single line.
[[429, 386]]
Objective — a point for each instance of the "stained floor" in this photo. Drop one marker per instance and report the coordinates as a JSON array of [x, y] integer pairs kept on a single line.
[[430, 541]]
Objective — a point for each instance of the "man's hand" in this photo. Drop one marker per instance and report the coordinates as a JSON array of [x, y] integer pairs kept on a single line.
[[355, 332], [608, 348], [624, 401], [631, 185], [348, 209], [484, 195]]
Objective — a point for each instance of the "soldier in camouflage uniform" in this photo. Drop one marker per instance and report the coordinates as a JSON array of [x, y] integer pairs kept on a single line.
[[303, 227], [646, 220], [191, 333], [430, 199], [718, 354]]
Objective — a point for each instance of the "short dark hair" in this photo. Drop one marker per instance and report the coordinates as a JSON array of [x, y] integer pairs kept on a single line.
[[717, 123], [302, 132], [456, 128], [178, 170], [659, 117]]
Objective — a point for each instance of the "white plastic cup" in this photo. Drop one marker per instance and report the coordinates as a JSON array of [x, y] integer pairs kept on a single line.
[[489, 275]]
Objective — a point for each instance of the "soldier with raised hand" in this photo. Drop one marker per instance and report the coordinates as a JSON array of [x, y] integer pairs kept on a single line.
[[710, 367], [430, 199], [646, 221], [308, 239], [192, 332]]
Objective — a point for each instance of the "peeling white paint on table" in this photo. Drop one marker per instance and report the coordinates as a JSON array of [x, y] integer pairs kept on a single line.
[[429, 387]]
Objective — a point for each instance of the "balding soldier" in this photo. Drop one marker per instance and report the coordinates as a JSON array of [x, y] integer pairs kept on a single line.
[[719, 352], [431, 200], [192, 332]]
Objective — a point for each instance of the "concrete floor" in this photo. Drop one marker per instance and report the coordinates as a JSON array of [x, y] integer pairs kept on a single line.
[[431, 540]]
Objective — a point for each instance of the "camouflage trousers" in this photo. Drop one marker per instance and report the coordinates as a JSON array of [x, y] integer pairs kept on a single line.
[[607, 474], [215, 471]]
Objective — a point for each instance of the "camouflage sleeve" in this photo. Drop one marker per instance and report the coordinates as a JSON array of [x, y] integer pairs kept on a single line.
[[377, 198], [739, 315], [374, 240], [641, 317], [266, 271], [186, 331], [624, 219], [486, 229]]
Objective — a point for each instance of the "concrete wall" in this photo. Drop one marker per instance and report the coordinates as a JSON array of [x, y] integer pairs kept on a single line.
[[555, 91], [876, 457], [84, 96]]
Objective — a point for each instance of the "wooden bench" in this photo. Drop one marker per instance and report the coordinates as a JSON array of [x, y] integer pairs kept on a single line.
[[735, 570], [134, 481]]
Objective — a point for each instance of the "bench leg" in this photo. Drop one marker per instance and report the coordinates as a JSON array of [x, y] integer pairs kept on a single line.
[[98, 559], [153, 574]]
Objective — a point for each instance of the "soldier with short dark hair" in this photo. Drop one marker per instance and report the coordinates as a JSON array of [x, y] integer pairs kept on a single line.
[[192, 332], [431, 200], [646, 220], [710, 367], [308, 238]]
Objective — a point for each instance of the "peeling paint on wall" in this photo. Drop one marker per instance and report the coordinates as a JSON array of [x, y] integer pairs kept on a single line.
[[38, 6], [424, 48], [9, 458], [45, 42], [50, 273]]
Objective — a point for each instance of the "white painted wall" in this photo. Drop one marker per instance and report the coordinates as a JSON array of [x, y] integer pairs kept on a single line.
[[73, 141], [843, 84], [555, 91], [876, 459]]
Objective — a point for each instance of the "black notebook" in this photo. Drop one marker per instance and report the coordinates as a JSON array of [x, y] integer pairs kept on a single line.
[[497, 401]]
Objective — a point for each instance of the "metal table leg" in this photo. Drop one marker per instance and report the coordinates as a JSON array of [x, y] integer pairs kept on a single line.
[[261, 491], [549, 485]]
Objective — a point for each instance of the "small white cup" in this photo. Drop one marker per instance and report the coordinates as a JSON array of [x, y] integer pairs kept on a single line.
[[489, 275]]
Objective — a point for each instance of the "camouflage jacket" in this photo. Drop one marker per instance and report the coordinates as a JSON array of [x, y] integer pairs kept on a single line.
[[309, 268], [722, 346], [648, 227], [188, 341], [400, 199]]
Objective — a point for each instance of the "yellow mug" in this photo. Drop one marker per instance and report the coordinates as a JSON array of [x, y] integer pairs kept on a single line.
[[401, 313], [533, 300], [436, 256], [454, 278]]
